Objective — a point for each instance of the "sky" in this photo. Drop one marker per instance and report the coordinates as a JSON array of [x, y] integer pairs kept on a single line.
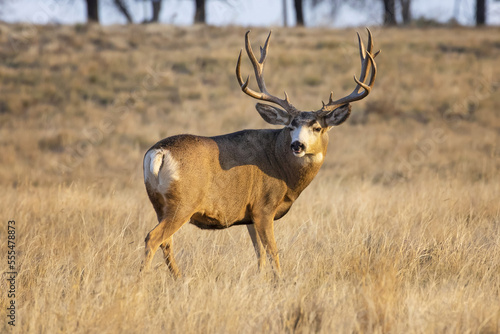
[[238, 12]]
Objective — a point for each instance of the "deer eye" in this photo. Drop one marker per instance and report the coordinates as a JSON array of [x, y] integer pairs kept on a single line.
[[317, 129]]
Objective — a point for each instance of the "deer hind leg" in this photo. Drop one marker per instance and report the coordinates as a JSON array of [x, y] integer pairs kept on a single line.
[[168, 253], [159, 235], [257, 244], [265, 231]]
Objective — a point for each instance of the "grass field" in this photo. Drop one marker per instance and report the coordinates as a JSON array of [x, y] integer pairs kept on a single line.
[[399, 232]]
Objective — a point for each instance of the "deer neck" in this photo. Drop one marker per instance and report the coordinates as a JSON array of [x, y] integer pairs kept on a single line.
[[297, 172]]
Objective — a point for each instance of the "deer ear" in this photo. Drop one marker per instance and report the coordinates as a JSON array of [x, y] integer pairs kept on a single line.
[[338, 116], [273, 115]]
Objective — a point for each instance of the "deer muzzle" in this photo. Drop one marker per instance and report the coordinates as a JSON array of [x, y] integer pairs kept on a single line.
[[298, 148]]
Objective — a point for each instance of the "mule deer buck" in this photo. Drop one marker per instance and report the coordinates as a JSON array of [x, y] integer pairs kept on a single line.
[[250, 177]]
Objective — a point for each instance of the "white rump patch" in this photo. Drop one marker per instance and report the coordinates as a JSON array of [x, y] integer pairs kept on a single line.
[[160, 169]]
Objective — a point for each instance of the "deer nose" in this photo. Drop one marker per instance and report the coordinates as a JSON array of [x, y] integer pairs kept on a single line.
[[298, 147]]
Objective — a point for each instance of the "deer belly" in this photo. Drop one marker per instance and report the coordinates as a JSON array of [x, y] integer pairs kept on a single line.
[[213, 222]]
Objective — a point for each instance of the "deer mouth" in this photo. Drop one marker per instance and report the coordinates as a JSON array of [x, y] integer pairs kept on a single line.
[[299, 154]]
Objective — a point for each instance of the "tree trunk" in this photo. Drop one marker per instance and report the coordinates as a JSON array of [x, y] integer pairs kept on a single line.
[[389, 13], [405, 11], [92, 11], [480, 12], [199, 15], [123, 9], [299, 13], [285, 16], [156, 10]]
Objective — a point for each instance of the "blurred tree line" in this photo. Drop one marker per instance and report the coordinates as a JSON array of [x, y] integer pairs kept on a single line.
[[391, 8], [121, 5], [390, 13]]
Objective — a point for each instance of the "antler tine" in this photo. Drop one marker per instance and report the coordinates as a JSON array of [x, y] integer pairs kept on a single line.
[[238, 71], [374, 70], [362, 50], [370, 41], [244, 84], [370, 44], [370, 52], [263, 51], [258, 66], [368, 65], [361, 84]]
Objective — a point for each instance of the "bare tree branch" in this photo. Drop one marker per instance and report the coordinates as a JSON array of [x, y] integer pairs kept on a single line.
[[123, 9]]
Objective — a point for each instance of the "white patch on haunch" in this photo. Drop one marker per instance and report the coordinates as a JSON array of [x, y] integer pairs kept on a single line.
[[160, 169]]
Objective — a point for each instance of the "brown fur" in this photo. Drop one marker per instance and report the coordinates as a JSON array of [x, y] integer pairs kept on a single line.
[[247, 177]]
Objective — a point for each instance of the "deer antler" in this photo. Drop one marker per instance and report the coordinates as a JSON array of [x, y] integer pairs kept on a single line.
[[258, 66], [367, 65]]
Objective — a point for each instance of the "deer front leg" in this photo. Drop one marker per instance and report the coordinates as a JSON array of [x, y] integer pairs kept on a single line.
[[257, 244], [264, 225]]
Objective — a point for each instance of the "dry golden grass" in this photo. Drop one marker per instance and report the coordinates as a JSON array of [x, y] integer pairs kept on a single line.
[[400, 231]]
